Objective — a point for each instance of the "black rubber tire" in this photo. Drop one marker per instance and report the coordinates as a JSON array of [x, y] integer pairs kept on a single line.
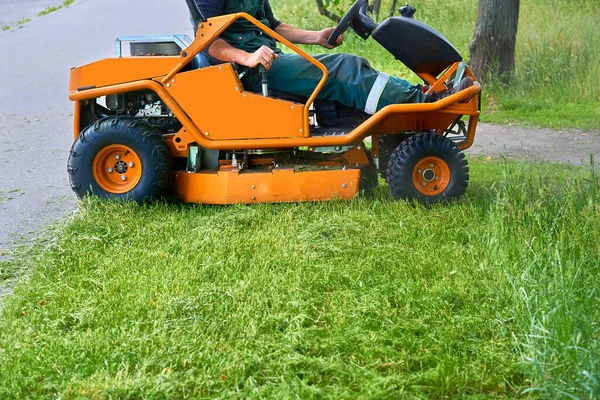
[[387, 145], [145, 140], [399, 172]]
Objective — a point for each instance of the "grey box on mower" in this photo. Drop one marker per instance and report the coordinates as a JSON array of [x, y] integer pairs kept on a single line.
[[154, 49]]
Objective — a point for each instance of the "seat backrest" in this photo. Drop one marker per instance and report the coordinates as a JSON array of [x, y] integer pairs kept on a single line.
[[418, 46]]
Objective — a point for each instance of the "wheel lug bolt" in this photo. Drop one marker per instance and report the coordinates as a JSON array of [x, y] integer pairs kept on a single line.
[[424, 183], [118, 157], [131, 164], [420, 171], [110, 170], [430, 165], [123, 177]]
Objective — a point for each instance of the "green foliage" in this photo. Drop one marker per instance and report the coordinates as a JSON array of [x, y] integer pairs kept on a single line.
[[48, 10], [557, 77], [495, 295], [23, 21]]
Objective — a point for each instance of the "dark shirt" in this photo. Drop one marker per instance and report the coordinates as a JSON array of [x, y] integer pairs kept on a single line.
[[214, 8], [243, 34]]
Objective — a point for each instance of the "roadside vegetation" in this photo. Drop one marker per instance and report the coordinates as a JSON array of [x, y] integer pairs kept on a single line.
[[17, 24], [557, 78], [47, 10], [495, 295]]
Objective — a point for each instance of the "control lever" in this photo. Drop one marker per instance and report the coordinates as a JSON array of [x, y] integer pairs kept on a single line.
[[263, 73]]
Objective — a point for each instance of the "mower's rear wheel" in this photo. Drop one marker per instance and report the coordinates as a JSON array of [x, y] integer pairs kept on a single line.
[[429, 168], [120, 158]]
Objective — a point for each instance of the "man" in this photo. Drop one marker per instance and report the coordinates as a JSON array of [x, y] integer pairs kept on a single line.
[[351, 80]]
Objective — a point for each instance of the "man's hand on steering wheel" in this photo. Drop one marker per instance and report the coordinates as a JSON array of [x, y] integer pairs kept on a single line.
[[324, 34], [345, 22]]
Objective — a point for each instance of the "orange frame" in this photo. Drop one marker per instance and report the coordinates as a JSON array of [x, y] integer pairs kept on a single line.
[[163, 75]]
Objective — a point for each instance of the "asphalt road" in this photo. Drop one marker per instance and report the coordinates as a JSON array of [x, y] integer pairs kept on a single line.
[[35, 112]]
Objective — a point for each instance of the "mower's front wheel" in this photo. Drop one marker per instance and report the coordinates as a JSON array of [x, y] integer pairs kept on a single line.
[[120, 158], [429, 168]]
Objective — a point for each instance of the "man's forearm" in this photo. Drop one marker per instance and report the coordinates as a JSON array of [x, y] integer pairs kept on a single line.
[[296, 35], [221, 50]]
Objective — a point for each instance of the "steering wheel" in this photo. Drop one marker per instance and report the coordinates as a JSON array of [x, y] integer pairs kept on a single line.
[[345, 22]]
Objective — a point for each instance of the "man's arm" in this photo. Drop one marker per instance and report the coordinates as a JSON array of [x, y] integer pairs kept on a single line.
[[301, 36], [223, 51]]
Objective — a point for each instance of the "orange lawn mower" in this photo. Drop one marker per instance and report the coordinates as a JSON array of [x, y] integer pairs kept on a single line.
[[152, 123]]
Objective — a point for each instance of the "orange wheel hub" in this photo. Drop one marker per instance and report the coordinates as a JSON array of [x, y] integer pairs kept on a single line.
[[431, 176], [117, 169]]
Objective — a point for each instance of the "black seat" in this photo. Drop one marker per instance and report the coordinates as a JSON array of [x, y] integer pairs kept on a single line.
[[420, 47]]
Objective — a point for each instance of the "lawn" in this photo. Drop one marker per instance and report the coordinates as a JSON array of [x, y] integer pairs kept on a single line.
[[495, 295]]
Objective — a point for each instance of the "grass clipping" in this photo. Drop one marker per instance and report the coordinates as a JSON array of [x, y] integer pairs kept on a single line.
[[495, 295]]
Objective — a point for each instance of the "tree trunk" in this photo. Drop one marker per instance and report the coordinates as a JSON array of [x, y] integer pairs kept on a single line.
[[493, 45], [375, 9], [323, 11]]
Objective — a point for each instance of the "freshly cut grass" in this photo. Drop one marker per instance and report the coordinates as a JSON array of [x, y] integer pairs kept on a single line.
[[493, 296]]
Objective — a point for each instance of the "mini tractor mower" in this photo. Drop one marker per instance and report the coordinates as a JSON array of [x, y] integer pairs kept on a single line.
[[157, 122]]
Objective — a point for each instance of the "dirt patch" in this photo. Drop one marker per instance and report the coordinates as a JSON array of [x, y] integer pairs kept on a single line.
[[565, 146]]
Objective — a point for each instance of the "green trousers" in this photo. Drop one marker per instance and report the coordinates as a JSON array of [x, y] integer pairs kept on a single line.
[[352, 81]]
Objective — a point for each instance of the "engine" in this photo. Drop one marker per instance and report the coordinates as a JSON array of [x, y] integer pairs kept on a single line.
[[146, 105]]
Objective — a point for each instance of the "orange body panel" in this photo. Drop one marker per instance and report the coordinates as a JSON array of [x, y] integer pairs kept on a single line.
[[213, 98], [230, 186], [114, 71]]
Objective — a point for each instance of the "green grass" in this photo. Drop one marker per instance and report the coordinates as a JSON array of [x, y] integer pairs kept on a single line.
[[23, 21], [493, 296], [557, 77], [49, 10], [6, 27]]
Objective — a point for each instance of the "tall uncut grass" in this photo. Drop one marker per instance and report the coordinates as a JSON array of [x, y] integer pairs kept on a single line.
[[496, 295], [557, 77]]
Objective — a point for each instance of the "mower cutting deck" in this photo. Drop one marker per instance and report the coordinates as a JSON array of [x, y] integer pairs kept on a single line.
[[159, 121]]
